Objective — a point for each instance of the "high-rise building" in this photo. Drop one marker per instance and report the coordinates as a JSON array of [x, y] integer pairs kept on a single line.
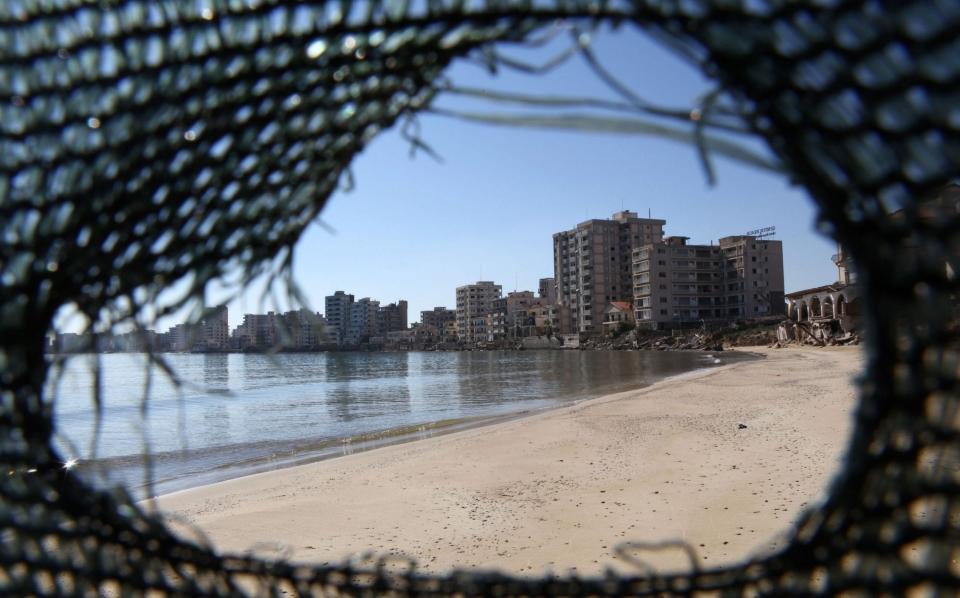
[[337, 311], [215, 328], [364, 321], [676, 284], [474, 302], [592, 266], [753, 277]]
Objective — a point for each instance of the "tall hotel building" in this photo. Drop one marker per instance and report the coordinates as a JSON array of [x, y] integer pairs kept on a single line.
[[474, 303], [592, 266], [678, 285], [338, 310]]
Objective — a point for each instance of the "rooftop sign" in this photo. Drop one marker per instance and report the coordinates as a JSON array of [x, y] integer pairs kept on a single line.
[[760, 233]]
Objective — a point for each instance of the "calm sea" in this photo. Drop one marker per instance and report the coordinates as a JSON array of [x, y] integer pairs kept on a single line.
[[236, 414]]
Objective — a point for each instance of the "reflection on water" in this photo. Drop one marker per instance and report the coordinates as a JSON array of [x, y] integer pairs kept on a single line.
[[241, 409], [216, 373]]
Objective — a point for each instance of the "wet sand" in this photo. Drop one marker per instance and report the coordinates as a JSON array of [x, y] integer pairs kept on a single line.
[[561, 490]]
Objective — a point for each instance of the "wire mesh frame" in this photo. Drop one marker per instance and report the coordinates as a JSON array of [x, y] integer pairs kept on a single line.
[[143, 142]]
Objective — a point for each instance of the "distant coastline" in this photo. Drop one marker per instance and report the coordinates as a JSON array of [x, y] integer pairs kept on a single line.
[[746, 333]]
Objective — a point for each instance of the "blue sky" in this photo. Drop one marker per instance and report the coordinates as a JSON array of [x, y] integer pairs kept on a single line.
[[416, 229]]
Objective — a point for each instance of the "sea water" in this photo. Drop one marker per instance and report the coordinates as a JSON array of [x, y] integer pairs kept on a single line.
[[224, 415]]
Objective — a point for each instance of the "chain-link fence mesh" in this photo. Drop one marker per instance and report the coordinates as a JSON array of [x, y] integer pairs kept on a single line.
[[146, 142]]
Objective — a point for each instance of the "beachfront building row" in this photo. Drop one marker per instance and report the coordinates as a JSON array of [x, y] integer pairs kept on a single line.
[[438, 318], [484, 316], [211, 333], [607, 269], [359, 321], [437, 327], [301, 329], [298, 330], [676, 284]]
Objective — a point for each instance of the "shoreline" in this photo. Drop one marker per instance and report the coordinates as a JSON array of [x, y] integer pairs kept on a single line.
[[312, 450], [531, 493], [309, 452]]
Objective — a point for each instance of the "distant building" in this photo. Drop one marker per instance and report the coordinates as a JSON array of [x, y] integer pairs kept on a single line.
[[439, 326], [438, 317], [617, 315], [678, 285], [479, 329], [449, 334], [71, 342], [214, 330], [337, 310], [548, 290], [753, 276], [504, 313], [302, 330], [839, 300], [474, 302], [844, 263], [393, 317], [257, 331], [364, 321], [534, 320], [592, 266], [183, 337], [139, 341], [538, 319]]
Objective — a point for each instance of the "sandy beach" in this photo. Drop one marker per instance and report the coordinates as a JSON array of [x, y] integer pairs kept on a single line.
[[560, 490]]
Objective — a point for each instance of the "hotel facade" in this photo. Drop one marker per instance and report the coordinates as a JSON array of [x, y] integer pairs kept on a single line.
[[679, 285]]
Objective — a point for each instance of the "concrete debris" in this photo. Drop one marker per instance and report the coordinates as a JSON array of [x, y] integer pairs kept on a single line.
[[769, 332], [819, 333]]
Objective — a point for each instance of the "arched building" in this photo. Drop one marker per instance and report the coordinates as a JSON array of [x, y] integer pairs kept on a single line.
[[830, 302], [838, 301]]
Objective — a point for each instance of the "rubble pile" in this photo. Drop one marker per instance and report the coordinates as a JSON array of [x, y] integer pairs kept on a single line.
[[820, 334], [623, 342], [768, 332], [696, 341]]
